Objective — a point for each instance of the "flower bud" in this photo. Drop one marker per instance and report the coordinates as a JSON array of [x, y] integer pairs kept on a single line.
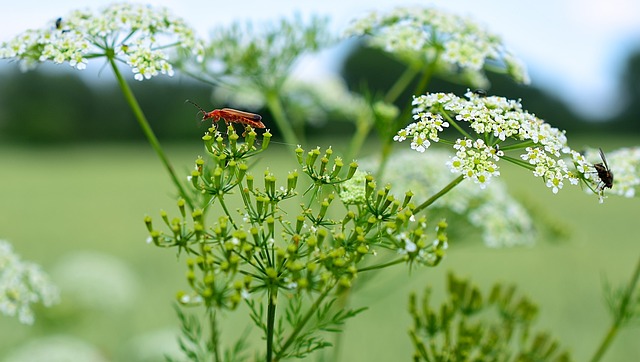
[[266, 138], [299, 152], [353, 167], [292, 181], [299, 223], [147, 222], [312, 156], [250, 138]]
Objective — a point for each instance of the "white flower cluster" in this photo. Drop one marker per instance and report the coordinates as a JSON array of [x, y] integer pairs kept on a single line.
[[502, 220], [426, 35], [136, 34], [625, 167], [496, 121], [21, 284]]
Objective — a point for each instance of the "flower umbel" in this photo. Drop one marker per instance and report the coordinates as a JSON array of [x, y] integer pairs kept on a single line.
[[22, 283], [624, 164], [135, 34], [499, 125], [456, 44]]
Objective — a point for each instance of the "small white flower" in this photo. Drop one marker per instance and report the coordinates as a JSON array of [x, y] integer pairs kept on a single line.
[[244, 293], [495, 119], [425, 35], [23, 283], [138, 35]]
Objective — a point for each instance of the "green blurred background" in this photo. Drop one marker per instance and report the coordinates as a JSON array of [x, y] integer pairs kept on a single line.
[[77, 177]]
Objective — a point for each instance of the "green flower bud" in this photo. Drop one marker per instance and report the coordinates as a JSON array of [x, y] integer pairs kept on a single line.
[[266, 139], [292, 181], [353, 167], [242, 171], [312, 156], [250, 138], [147, 222], [249, 182], [299, 152]]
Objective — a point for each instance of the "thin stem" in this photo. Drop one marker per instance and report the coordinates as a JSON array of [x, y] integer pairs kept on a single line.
[[387, 147], [148, 132], [381, 266], [363, 127], [440, 193], [226, 211], [271, 319], [387, 138], [620, 316], [215, 340], [279, 116], [519, 162], [401, 83], [455, 124], [310, 313]]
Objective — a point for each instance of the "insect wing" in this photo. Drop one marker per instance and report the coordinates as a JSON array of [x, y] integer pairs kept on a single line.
[[243, 114], [604, 159]]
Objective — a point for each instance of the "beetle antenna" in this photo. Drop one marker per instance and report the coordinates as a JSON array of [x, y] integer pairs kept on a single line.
[[197, 106]]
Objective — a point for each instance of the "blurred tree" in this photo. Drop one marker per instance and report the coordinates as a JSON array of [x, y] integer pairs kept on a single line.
[[58, 107], [629, 119]]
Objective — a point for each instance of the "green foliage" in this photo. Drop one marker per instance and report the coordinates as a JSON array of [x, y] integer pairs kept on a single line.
[[471, 327], [261, 252]]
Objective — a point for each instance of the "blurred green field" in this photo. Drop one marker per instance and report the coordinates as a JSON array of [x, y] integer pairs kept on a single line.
[[56, 201]]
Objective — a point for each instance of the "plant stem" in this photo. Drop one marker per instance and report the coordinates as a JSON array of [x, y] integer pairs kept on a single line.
[[401, 83], [363, 127], [620, 315], [215, 340], [440, 193], [284, 125], [312, 310], [271, 320], [148, 132], [387, 137], [381, 266]]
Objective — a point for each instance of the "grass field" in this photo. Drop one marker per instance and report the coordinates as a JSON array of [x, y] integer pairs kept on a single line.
[[59, 201]]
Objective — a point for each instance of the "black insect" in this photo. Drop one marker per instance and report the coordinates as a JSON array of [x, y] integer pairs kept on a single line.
[[480, 92], [59, 23], [604, 172]]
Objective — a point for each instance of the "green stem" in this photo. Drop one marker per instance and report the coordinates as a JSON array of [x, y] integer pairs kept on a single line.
[[401, 83], [279, 116], [148, 132], [440, 193], [387, 135], [622, 312], [310, 313], [363, 127], [381, 266], [215, 340], [455, 124], [271, 320], [387, 147], [226, 211]]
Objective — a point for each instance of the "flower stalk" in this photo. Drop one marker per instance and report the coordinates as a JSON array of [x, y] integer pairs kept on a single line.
[[148, 131]]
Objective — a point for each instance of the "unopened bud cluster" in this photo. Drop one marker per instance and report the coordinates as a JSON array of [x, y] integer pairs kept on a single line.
[[233, 254]]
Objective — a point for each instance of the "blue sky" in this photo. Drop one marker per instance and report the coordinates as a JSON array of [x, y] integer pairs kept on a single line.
[[575, 48]]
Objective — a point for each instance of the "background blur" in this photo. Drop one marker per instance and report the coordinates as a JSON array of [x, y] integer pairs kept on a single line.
[[76, 177]]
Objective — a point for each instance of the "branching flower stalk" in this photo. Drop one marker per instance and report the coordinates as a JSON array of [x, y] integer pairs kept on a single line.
[[136, 35], [491, 126], [272, 259], [241, 59], [431, 43]]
